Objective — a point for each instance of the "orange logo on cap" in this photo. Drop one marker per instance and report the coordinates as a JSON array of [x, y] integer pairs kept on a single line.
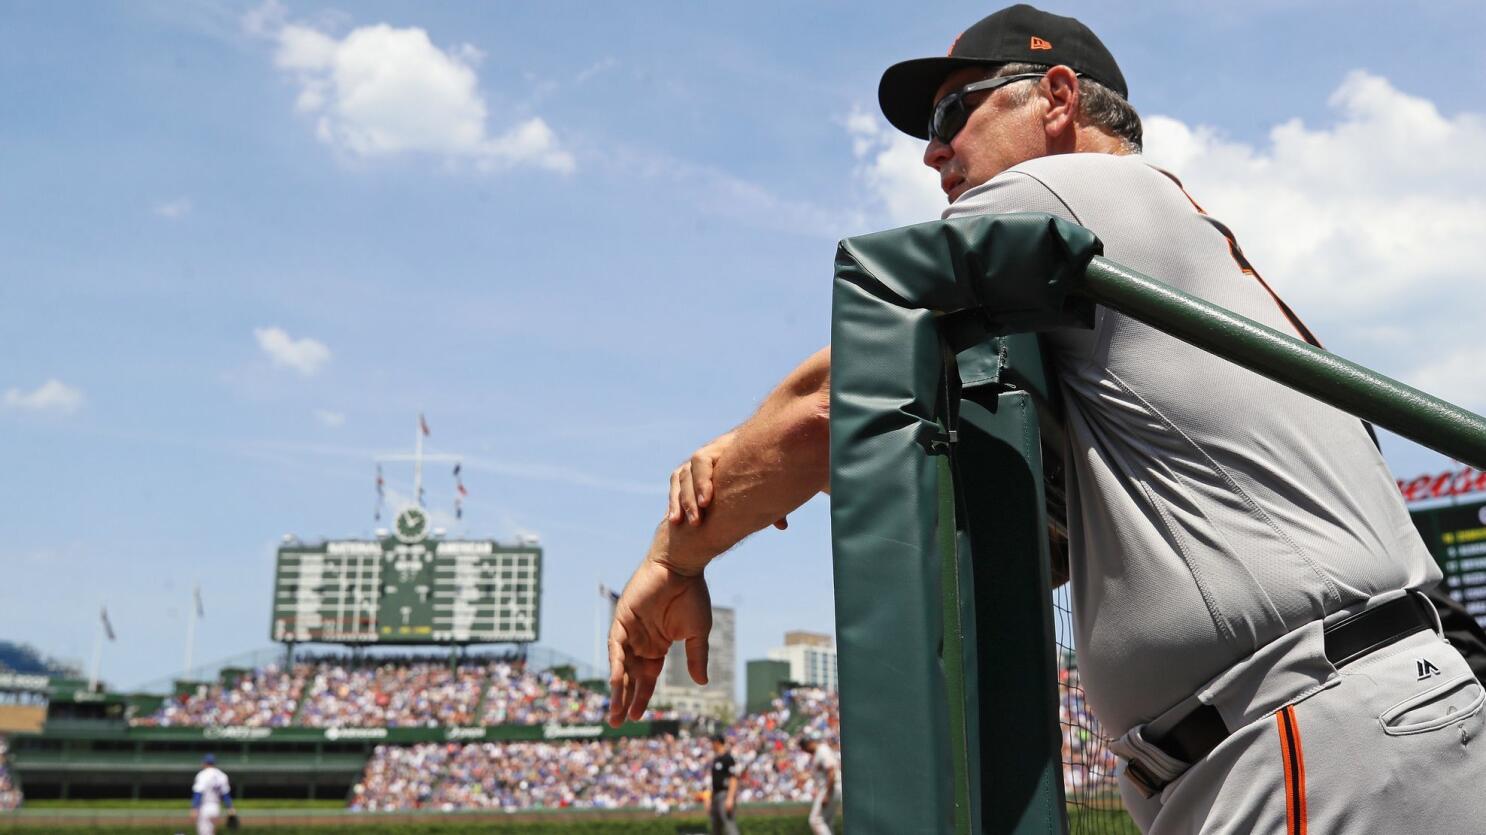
[[955, 44], [1039, 43]]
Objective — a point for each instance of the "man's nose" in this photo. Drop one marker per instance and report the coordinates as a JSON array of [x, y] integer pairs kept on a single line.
[[937, 154]]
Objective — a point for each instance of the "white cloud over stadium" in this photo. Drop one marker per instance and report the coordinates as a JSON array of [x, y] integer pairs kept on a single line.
[[51, 397], [1367, 225], [381, 90], [305, 355]]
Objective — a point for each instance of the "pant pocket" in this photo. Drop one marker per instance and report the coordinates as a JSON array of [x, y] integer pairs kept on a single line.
[[1452, 701]]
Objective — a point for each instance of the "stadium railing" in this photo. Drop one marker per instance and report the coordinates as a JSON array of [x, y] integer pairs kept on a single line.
[[940, 501]]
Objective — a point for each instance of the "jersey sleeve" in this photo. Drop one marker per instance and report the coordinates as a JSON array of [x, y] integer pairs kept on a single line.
[[1008, 192], [199, 785]]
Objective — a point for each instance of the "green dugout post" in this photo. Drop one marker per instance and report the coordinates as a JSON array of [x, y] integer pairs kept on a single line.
[[939, 403]]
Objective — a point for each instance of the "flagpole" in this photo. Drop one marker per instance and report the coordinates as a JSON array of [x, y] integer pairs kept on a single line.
[[97, 658], [418, 461], [190, 635]]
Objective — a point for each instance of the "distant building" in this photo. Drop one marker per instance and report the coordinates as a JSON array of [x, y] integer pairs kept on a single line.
[[766, 677], [718, 699], [811, 657], [801, 638]]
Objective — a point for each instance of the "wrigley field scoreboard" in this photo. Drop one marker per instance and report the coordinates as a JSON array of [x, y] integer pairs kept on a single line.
[[408, 588], [1456, 536]]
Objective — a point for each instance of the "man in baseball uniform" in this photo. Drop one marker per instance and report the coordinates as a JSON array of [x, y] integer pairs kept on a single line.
[[1246, 582], [210, 794], [722, 805], [826, 768]]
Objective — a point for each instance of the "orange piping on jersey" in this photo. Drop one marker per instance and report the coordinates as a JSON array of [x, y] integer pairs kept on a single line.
[[1293, 758], [1247, 268]]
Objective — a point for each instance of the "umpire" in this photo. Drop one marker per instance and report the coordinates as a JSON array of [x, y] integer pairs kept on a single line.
[[723, 807]]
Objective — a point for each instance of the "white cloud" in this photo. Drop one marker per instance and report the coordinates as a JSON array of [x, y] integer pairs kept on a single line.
[[305, 355], [329, 419], [383, 90], [890, 164], [53, 396], [1368, 225], [174, 209]]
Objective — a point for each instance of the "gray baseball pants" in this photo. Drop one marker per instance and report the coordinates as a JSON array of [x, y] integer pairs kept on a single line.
[[722, 822], [1394, 742]]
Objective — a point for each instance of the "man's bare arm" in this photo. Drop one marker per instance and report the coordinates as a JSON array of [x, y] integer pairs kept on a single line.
[[776, 461]]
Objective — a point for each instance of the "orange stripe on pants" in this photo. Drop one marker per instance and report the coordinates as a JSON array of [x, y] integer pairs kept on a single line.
[[1293, 758]]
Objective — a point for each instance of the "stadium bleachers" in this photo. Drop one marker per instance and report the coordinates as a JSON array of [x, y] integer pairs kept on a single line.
[[10, 797], [660, 773], [392, 694]]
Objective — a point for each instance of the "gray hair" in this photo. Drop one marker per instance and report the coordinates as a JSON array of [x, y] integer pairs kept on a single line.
[[1097, 105]]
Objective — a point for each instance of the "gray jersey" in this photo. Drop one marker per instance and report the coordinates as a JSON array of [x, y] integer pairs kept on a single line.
[[1211, 510]]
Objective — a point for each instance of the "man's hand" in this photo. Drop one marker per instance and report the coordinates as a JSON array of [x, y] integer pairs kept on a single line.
[[728, 806], [692, 486], [660, 606], [193, 814]]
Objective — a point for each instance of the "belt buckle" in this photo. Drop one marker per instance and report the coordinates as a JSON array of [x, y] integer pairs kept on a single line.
[[1146, 783]]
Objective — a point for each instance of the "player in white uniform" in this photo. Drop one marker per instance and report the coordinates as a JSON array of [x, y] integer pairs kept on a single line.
[[827, 769], [210, 793]]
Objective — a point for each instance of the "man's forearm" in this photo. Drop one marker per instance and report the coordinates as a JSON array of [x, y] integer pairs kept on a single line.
[[777, 461]]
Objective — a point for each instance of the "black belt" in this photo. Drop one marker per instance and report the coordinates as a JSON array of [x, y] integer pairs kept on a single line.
[[1347, 640]]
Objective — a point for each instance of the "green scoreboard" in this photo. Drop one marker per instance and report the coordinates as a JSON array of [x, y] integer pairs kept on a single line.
[[1456, 536], [408, 588]]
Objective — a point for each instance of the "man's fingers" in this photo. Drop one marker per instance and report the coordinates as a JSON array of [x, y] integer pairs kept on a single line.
[[701, 476], [673, 509], [648, 671], [696, 658], [782, 522], [689, 495]]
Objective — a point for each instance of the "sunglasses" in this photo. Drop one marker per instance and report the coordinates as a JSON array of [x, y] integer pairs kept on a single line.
[[951, 113]]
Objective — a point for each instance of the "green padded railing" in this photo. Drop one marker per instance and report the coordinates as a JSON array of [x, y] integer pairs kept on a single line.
[[949, 699]]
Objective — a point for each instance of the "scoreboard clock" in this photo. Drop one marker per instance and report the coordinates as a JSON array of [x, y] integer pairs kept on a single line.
[[408, 588]]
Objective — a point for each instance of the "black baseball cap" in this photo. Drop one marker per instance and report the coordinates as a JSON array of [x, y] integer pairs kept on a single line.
[[1016, 34]]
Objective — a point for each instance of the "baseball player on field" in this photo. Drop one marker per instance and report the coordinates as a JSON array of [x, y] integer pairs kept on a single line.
[[210, 794], [1246, 583], [825, 765]]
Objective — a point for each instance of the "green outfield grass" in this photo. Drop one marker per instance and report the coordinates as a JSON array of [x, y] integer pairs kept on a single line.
[[1082, 821], [565, 826], [246, 805]]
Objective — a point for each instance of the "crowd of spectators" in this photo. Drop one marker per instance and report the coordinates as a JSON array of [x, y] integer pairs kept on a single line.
[[393, 695], [10, 796], [519, 697], [660, 773], [1088, 764], [386, 693], [265, 698]]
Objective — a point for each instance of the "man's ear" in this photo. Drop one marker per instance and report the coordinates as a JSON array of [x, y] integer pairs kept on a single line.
[[1060, 88]]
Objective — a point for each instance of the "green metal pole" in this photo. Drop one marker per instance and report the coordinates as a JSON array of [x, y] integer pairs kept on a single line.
[[1310, 370]]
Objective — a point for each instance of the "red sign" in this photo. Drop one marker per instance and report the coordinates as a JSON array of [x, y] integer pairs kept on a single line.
[[1452, 483]]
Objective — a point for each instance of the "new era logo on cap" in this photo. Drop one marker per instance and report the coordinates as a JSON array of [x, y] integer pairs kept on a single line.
[[1039, 43]]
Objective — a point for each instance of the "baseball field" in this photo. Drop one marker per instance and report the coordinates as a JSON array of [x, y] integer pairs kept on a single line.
[[77, 817]]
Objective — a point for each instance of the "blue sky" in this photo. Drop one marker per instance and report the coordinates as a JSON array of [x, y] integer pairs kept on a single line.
[[243, 246]]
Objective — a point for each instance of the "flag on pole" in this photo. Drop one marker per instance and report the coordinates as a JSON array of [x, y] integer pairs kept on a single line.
[[458, 509], [423, 425], [108, 628], [381, 495], [196, 594], [611, 595]]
